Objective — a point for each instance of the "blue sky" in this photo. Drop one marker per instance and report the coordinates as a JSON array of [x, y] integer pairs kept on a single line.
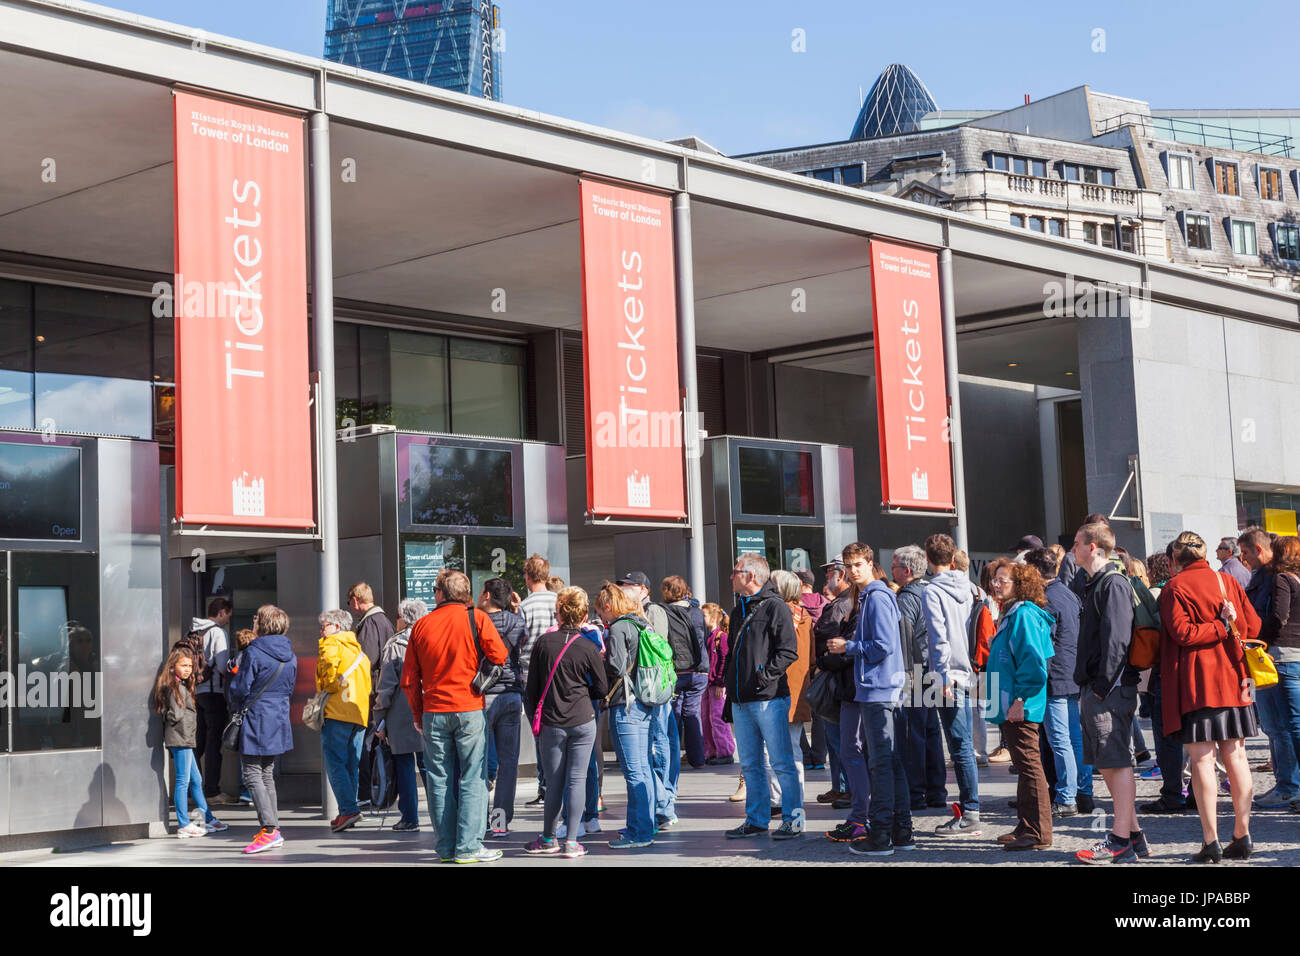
[[726, 70]]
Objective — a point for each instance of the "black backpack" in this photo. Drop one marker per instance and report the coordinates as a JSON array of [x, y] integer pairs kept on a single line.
[[681, 638], [193, 642]]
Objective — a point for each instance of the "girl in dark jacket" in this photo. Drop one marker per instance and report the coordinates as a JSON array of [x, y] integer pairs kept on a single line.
[[174, 699], [1205, 690], [268, 671]]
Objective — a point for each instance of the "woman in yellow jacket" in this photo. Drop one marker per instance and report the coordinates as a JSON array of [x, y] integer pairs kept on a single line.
[[344, 670]]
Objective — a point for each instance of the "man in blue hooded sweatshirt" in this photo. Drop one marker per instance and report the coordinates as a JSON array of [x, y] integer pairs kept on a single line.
[[878, 675]]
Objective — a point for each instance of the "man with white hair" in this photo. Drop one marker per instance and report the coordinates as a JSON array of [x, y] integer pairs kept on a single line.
[[920, 735], [1229, 554], [761, 646]]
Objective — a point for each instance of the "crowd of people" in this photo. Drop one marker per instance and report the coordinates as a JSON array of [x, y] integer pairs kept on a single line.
[[1056, 651]]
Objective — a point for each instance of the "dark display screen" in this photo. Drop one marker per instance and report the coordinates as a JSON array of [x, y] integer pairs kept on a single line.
[[776, 481], [452, 487], [40, 492]]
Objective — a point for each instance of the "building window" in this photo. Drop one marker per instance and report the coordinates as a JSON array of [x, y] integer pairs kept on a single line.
[[1198, 231], [1288, 241], [1225, 179], [1017, 220], [851, 175], [1018, 165], [1243, 238], [1087, 174], [1128, 238], [1036, 223], [825, 175], [1090, 232], [1108, 235], [1180, 173], [1056, 227], [1270, 184]]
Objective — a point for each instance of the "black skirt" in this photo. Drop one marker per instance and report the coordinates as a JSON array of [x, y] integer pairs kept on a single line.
[[1212, 724]]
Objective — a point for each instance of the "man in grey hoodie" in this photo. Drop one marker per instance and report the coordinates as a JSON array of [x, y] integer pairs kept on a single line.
[[947, 604]]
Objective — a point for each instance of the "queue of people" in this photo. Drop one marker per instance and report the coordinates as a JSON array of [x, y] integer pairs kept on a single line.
[[880, 674]]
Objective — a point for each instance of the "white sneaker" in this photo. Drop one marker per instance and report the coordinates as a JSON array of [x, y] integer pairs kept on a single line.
[[215, 826], [591, 826], [192, 830], [561, 831]]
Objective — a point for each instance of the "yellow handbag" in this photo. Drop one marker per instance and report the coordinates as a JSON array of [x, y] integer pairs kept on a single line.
[[1260, 667]]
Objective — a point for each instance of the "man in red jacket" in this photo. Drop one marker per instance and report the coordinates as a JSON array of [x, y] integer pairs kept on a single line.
[[442, 659]]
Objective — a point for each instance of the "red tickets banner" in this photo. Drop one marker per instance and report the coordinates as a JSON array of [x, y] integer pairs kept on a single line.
[[243, 444]]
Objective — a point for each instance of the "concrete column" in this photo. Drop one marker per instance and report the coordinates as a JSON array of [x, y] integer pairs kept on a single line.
[[948, 312], [322, 301], [690, 387]]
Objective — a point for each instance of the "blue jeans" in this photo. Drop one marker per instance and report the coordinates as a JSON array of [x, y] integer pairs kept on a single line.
[[667, 760], [955, 715], [922, 744], [758, 725], [188, 783], [1169, 753], [503, 717], [1057, 729], [839, 782], [630, 726], [341, 745], [890, 810], [853, 758], [687, 699], [455, 747], [408, 804], [1275, 714]]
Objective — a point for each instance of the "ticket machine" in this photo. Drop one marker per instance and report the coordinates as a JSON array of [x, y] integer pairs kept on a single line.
[[412, 504]]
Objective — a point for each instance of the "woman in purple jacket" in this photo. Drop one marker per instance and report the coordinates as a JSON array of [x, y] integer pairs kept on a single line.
[[719, 745]]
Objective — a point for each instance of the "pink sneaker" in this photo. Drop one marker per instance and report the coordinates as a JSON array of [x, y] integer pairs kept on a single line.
[[543, 847], [266, 839], [573, 850]]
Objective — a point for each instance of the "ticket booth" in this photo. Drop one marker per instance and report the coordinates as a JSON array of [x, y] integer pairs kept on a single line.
[[412, 504], [791, 502], [82, 635]]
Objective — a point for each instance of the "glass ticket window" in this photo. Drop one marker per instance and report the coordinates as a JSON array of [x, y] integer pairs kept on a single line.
[[54, 694], [247, 582], [787, 547]]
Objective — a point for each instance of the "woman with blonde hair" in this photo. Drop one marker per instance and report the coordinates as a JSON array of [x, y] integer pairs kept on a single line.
[[1205, 687], [564, 674], [797, 674], [630, 721]]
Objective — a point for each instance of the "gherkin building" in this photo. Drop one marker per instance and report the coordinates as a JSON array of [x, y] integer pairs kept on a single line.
[[897, 101]]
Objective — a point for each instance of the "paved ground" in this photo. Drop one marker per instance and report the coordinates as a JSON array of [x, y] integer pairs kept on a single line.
[[697, 840]]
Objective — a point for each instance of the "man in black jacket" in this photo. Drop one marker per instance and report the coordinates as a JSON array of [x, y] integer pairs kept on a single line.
[[1108, 690], [761, 646], [374, 630], [921, 734], [832, 622]]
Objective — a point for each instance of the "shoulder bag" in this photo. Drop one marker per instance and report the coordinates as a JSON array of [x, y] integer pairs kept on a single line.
[[313, 715], [1259, 665], [488, 672], [230, 737]]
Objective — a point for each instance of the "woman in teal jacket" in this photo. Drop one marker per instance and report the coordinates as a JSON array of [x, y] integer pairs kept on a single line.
[[1017, 670]]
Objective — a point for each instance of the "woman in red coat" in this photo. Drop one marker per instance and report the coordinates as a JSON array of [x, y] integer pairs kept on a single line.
[[1208, 696]]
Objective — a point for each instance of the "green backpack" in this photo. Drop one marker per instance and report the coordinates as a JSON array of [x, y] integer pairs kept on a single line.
[[655, 678]]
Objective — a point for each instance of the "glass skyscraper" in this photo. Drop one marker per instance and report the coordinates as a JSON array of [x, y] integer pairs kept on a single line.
[[895, 104], [455, 44]]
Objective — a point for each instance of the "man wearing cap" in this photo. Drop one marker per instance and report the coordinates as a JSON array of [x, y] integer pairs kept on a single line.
[[667, 762], [1029, 542]]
